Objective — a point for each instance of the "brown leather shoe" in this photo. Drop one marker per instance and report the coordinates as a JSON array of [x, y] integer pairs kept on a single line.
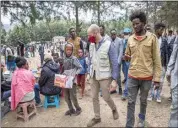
[[70, 112], [115, 114], [93, 122], [78, 111]]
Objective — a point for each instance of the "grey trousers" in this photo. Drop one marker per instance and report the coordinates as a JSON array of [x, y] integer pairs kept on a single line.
[[71, 96], [134, 85], [95, 88], [173, 122]]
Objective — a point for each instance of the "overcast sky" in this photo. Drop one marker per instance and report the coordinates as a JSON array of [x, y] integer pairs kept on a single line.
[[5, 19], [84, 16]]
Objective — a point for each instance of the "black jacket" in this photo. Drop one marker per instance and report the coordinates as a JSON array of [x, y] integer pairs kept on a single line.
[[46, 81], [164, 52]]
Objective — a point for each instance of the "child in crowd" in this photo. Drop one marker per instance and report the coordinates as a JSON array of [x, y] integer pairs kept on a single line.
[[71, 67], [58, 60], [81, 75]]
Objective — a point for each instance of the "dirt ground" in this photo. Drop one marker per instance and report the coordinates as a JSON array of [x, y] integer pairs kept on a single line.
[[157, 114]]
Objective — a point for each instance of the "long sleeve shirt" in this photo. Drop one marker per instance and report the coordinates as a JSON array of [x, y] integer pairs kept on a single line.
[[172, 68], [118, 45], [145, 61]]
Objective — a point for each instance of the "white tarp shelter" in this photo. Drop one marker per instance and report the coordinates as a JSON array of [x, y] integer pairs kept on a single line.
[[58, 39]]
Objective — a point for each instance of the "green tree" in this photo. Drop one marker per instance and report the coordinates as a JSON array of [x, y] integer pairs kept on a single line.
[[3, 36]]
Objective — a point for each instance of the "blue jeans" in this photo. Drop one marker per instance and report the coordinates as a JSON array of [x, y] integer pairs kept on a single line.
[[6, 95], [158, 91], [11, 66], [37, 93], [126, 69], [124, 66], [152, 92]]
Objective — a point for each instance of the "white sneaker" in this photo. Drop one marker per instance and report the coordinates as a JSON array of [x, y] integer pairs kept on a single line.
[[150, 98], [39, 105], [141, 124], [158, 100]]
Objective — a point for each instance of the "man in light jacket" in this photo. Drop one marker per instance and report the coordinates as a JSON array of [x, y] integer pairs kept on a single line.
[[103, 70], [172, 76]]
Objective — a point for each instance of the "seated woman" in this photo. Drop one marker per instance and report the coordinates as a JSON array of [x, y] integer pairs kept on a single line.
[[45, 84], [22, 87]]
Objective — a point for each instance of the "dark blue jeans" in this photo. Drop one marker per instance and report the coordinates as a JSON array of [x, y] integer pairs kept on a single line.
[[126, 69], [11, 66], [6, 95], [37, 93]]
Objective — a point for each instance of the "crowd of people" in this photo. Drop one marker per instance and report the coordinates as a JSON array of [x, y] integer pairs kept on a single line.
[[144, 57]]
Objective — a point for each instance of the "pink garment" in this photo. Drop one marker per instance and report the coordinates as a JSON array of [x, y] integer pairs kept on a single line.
[[22, 83]]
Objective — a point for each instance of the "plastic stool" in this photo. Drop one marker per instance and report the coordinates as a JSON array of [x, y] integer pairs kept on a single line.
[[25, 113], [55, 103]]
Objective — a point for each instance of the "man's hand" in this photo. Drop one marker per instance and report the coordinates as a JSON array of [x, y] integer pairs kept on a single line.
[[123, 57], [168, 78], [156, 85], [113, 84], [127, 57]]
